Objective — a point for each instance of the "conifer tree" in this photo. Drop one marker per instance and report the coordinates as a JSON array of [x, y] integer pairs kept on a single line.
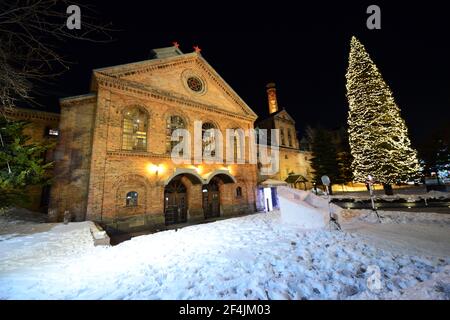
[[378, 135], [344, 157], [21, 164], [324, 155]]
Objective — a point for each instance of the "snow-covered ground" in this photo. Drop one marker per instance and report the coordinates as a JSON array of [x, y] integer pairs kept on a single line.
[[252, 257]]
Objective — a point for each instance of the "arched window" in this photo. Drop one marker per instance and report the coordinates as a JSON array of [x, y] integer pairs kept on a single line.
[[132, 199], [236, 151], [208, 138], [238, 192], [134, 134], [289, 137], [282, 136], [173, 123], [238, 143]]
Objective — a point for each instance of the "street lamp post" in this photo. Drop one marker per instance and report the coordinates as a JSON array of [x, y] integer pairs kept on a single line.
[[326, 182], [370, 181]]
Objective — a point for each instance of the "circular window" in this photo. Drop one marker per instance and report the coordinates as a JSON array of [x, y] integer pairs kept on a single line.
[[195, 84]]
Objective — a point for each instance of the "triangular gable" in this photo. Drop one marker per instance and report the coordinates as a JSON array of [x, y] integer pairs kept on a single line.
[[283, 114], [169, 75]]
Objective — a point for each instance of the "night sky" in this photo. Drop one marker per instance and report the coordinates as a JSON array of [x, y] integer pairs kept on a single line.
[[303, 49]]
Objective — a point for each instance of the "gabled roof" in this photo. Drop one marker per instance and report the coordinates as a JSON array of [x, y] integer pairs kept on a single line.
[[275, 115], [125, 68], [282, 112], [272, 183], [294, 178], [163, 58]]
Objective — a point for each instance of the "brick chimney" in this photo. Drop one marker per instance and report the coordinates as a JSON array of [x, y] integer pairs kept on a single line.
[[272, 97]]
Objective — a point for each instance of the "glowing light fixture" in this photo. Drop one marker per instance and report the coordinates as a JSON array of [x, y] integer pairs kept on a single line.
[[155, 169], [199, 169]]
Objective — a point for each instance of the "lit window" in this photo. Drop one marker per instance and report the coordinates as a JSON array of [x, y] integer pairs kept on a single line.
[[53, 132], [208, 138], [238, 142], [282, 136], [173, 123], [132, 199], [134, 136], [289, 138]]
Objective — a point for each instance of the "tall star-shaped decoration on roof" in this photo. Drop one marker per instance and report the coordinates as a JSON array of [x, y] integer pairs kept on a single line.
[[197, 49], [176, 44]]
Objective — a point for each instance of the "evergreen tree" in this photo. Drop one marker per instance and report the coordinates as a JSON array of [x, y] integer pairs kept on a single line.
[[324, 156], [344, 157], [434, 151], [378, 135], [21, 163]]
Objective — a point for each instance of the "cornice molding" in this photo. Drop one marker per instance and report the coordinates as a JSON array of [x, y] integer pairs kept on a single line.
[[122, 153], [21, 113], [109, 82], [147, 66], [130, 154], [79, 100]]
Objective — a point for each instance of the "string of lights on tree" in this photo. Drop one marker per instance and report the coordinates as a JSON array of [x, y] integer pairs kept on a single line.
[[378, 135]]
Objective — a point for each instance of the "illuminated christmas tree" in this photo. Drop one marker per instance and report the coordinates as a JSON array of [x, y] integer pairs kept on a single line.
[[378, 135]]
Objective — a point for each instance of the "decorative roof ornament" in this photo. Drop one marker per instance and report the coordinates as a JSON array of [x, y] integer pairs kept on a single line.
[[197, 49], [176, 44]]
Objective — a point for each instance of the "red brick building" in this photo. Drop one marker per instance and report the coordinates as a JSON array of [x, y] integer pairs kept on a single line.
[[113, 161]]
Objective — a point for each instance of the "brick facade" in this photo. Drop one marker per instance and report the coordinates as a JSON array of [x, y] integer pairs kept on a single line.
[[94, 173]]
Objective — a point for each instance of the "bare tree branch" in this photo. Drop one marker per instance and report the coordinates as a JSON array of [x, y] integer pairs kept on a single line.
[[30, 32]]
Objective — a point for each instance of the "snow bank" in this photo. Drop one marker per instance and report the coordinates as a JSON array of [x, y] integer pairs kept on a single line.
[[19, 251], [17, 220], [437, 287], [305, 209]]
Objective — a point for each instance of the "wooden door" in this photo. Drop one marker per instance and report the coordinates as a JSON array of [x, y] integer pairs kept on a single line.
[[175, 202], [211, 200]]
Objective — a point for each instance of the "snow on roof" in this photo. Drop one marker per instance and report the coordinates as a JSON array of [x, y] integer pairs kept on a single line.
[[273, 183], [294, 178]]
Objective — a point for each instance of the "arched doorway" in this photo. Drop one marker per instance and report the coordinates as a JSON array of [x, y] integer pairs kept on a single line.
[[211, 199], [175, 202]]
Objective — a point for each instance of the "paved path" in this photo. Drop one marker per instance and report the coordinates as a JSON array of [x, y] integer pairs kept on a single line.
[[412, 238]]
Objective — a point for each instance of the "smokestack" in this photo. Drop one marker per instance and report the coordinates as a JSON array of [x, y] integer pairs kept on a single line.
[[272, 97]]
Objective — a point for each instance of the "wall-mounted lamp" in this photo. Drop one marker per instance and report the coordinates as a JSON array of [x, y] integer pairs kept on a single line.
[[199, 169], [155, 169]]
